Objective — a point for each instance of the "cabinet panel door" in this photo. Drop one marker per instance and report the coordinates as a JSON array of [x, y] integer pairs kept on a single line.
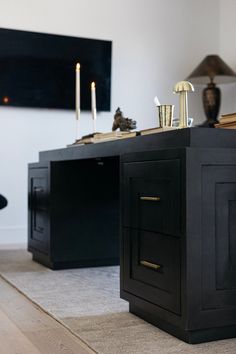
[[38, 209], [219, 236], [152, 196], [152, 267]]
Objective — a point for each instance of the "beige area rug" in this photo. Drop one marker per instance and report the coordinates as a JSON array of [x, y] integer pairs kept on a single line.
[[87, 301]]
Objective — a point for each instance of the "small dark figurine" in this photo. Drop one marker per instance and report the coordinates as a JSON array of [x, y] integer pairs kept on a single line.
[[125, 124]]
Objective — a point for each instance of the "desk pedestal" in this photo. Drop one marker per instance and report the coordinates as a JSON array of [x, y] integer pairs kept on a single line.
[[178, 260], [74, 213]]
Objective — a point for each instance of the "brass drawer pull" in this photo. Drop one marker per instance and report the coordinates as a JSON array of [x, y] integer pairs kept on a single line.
[[152, 199], [38, 189], [150, 265]]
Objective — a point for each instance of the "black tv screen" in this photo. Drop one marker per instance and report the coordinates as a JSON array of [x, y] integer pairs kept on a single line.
[[38, 70]]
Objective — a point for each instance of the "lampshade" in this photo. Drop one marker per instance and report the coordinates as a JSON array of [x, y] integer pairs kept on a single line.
[[211, 71], [212, 67]]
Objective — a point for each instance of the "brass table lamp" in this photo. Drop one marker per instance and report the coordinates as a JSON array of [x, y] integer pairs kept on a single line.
[[212, 68]]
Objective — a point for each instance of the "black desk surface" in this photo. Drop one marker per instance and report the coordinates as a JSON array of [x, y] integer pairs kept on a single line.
[[190, 137]]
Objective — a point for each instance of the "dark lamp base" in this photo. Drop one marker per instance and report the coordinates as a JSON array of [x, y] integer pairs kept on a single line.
[[211, 103], [209, 123]]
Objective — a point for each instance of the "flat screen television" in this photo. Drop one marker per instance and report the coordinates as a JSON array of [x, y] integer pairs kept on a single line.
[[38, 70]]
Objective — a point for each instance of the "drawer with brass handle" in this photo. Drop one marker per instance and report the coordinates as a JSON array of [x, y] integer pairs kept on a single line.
[[151, 196], [152, 267]]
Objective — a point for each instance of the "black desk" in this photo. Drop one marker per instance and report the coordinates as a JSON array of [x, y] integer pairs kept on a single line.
[[172, 198]]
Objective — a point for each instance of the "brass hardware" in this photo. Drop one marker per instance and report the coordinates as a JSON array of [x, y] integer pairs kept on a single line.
[[165, 115], [150, 265], [152, 199], [38, 189]]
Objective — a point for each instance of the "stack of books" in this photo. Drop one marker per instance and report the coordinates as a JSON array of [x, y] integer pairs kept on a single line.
[[227, 121], [155, 130], [113, 136], [116, 135], [102, 137]]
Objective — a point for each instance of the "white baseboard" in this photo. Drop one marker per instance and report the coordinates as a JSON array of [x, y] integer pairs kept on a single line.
[[15, 235], [13, 246]]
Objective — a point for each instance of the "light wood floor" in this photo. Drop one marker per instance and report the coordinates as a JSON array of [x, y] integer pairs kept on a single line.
[[26, 329]]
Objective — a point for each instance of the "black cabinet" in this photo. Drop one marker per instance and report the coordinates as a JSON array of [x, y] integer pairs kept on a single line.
[[178, 260], [151, 230], [170, 200], [74, 213]]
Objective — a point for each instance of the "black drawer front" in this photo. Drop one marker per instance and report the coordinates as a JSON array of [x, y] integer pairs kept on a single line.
[[152, 267], [38, 209], [152, 196]]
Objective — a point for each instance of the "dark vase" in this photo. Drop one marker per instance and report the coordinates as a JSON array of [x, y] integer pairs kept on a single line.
[[211, 103]]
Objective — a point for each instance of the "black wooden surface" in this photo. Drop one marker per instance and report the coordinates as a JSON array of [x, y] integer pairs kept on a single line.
[[190, 232], [207, 247], [190, 137], [39, 220], [83, 213]]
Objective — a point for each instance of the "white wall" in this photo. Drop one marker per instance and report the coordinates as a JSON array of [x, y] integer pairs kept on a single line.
[[227, 51], [155, 44]]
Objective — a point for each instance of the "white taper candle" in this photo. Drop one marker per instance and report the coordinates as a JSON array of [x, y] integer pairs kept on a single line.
[[93, 104], [77, 98]]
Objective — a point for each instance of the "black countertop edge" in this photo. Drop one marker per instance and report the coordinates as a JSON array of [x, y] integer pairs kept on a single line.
[[188, 137]]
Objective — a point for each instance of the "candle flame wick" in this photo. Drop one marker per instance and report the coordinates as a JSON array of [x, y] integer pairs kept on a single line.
[[77, 66], [93, 84]]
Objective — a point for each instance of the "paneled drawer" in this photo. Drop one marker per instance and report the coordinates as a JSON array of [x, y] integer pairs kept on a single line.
[[38, 209], [152, 196], [152, 267]]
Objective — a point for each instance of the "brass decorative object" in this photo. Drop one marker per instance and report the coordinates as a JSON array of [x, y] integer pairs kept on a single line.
[[150, 265], [211, 68], [182, 88], [152, 199], [165, 115]]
